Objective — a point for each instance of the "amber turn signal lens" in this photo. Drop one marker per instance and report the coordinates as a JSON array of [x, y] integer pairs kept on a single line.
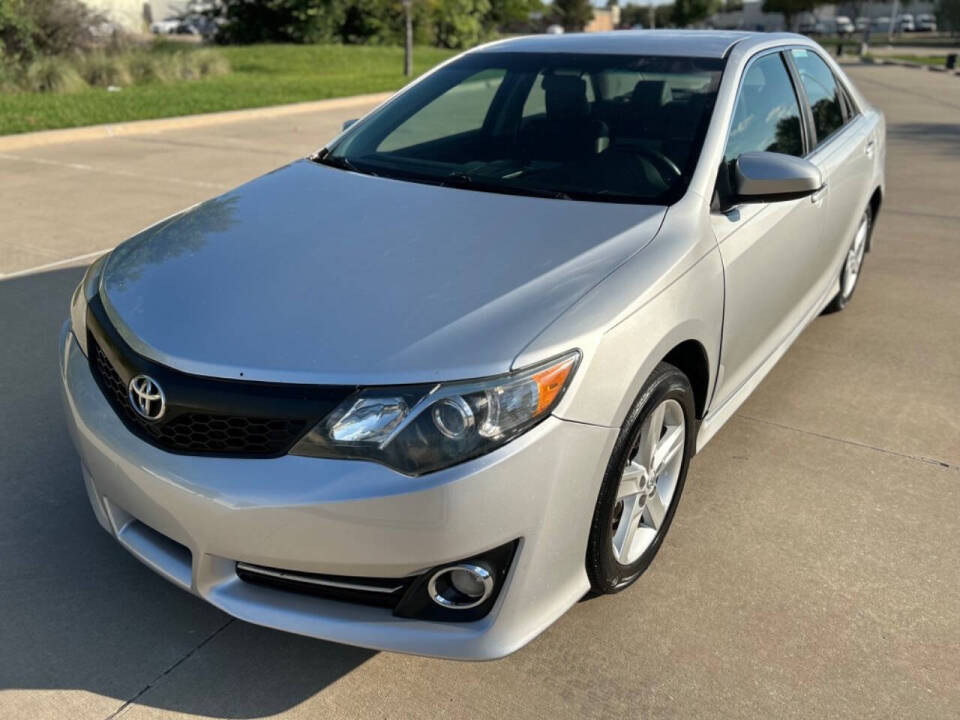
[[551, 381]]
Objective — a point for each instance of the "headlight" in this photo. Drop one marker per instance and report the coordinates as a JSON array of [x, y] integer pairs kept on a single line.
[[81, 296], [418, 429]]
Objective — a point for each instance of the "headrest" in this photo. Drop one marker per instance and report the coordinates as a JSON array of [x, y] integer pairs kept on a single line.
[[566, 95], [651, 93]]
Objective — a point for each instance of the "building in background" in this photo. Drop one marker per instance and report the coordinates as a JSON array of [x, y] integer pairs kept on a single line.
[[604, 19], [136, 15]]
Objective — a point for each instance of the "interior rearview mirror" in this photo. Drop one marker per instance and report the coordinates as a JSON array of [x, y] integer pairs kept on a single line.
[[769, 177], [348, 123]]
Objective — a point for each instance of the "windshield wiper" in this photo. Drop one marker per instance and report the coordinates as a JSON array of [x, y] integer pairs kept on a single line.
[[340, 162], [469, 182]]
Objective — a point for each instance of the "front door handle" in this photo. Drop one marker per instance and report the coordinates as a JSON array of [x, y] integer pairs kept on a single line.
[[818, 196], [869, 147]]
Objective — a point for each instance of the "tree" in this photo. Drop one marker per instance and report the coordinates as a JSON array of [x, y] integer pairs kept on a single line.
[[790, 9], [573, 14], [948, 13], [29, 28], [459, 23], [408, 38], [632, 15], [294, 21], [511, 15], [690, 12]]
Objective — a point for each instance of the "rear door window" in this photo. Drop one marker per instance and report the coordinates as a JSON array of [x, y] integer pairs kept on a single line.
[[823, 92]]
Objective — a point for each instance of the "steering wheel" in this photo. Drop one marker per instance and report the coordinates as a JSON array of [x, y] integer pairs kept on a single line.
[[665, 166]]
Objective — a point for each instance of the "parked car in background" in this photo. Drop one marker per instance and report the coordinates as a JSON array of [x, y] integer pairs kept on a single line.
[[197, 24], [926, 23], [554, 30], [426, 388], [882, 23], [905, 23], [862, 23], [843, 25], [813, 28], [168, 26]]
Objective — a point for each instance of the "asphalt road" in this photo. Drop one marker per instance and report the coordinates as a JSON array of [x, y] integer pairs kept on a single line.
[[813, 569]]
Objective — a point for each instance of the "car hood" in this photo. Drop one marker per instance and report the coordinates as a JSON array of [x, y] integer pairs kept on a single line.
[[316, 275]]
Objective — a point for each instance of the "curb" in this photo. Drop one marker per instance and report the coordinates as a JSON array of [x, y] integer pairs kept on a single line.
[[25, 141], [908, 64]]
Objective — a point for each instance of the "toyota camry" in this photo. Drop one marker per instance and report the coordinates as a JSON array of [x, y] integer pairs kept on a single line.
[[426, 388]]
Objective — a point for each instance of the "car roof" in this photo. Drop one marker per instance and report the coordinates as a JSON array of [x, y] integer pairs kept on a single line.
[[675, 43]]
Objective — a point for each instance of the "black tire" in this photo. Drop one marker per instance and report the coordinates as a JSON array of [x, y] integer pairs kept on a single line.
[[841, 299], [606, 573]]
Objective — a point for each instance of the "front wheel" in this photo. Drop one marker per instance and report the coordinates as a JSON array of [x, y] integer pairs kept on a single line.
[[643, 481], [852, 264]]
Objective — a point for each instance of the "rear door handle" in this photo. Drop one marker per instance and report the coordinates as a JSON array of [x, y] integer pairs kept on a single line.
[[818, 196], [869, 147]]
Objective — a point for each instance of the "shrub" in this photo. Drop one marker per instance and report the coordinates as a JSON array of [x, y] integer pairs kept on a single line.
[[104, 70], [165, 67], [211, 63], [30, 28], [143, 68], [8, 77], [187, 67], [51, 74]]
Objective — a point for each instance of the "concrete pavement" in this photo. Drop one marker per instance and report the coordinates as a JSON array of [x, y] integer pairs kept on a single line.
[[813, 568], [61, 201]]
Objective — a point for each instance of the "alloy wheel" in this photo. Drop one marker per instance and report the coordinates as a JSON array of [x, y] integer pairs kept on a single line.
[[851, 268], [649, 482]]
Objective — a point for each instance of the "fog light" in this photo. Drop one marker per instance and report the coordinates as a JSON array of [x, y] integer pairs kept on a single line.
[[461, 587]]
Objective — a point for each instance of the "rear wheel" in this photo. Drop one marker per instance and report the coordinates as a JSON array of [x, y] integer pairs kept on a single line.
[[643, 481], [852, 265]]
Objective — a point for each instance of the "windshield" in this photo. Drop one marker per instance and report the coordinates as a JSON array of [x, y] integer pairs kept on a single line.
[[613, 128]]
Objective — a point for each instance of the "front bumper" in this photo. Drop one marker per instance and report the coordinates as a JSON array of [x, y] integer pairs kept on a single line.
[[192, 518]]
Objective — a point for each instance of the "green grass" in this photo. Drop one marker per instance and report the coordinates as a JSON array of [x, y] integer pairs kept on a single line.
[[921, 59], [261, 75]]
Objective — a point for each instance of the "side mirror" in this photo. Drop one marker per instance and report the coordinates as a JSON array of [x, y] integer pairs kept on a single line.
[[769, 177], [348, 124]]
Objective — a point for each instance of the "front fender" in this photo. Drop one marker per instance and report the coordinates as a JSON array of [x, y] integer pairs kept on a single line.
[[669, 293]]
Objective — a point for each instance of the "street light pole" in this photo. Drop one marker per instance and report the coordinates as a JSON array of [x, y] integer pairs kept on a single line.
[[865, 43], [408, 38]]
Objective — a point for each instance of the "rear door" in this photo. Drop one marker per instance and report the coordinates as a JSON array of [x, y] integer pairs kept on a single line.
[[771, 250], [844, 144]]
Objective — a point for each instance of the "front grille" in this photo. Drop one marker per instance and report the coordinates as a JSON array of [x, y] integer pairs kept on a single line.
[[205, 415], [201, 433], [195, 432]]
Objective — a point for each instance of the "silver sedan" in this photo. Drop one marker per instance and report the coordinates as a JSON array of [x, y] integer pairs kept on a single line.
[[424, 389]]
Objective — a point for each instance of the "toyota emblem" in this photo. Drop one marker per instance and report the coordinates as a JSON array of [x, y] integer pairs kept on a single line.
[[147, 398]]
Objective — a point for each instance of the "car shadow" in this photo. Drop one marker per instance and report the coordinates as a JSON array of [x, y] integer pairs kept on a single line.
[[76, 610]]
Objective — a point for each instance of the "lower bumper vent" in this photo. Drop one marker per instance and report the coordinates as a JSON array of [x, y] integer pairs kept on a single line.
[[383, 592]]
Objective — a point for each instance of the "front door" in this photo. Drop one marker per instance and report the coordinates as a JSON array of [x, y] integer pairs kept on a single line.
[[771, 250]]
